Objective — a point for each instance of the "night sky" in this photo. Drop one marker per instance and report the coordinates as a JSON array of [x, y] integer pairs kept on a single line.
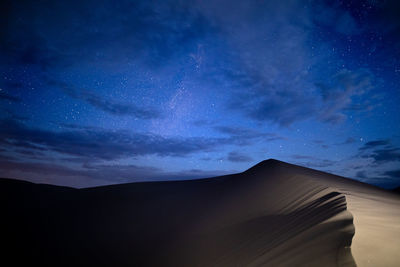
[[101, 92]]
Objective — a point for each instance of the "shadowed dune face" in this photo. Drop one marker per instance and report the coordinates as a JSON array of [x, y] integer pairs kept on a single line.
[[272, 220], [274, 214], [319, 232]]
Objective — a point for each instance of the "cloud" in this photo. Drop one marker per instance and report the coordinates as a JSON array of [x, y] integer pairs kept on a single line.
[[74, 155], [303, 157], [88, 175], [101, 144], [361, 174], [348, 141], [280, 107], [395, 174], [386, 155], [202, 123], [341, 93], [313, 162], [335, 19], [268, 64], [374, 144], [195, 174], [346, 24], [77, 176], [324, 163], [235, 156], [245, 136], [381, 151], [386, 179], [89, 143], [8, 97], [112, 107], [284, 101]]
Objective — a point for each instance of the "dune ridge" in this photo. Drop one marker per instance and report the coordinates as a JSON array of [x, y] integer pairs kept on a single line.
[[273, 214]]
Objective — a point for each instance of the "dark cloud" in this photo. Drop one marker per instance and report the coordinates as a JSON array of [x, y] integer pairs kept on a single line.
[[39, 168], [348, 141], [87, 175], [8, 97], [313, 162], [73, 126], [245, 136], [279, 106], [385, 155], [235, 156], [6, 113], [78, 176], [203, 123], [386, 179], [335, 19], [302, 157], [361, 174], [288, 104], [395, 174], [105, 104], [324, 163], [381, 151], [100, 144], [114, 108], [321, 143], [374, 144], [343, 92], [195, 174]]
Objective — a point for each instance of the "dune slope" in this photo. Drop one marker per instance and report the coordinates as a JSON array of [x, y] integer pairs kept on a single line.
[[274, 214]]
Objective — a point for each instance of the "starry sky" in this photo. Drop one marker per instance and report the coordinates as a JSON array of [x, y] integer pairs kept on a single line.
[[96, 92]]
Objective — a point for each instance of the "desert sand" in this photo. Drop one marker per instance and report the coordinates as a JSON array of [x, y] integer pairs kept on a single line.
[[274, 214]]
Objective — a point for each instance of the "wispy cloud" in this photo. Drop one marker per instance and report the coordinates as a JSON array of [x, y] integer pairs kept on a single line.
[[88, 175], [113, 107], [246, 136], [101, 144], [236, 156], [312, 161], [381, 151], [8, 97], [395, 174], [340, 94], [375, 144], [348, 141]]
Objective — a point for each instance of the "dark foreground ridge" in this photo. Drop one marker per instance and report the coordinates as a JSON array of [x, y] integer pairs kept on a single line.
[[274, 214], [396, 190]]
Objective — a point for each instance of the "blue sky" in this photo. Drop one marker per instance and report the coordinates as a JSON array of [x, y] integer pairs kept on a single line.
[[100, 92]]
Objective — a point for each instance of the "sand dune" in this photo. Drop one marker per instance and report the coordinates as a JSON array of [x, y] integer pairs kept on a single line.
[[274, 214]]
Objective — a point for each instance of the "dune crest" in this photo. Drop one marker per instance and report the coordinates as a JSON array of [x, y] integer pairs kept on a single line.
[[274, 214]]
